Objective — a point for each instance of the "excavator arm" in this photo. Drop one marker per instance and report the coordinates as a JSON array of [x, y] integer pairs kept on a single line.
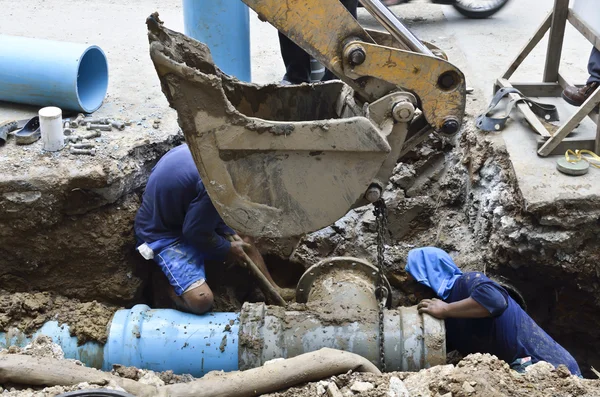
[[280, 161], [329, 33]]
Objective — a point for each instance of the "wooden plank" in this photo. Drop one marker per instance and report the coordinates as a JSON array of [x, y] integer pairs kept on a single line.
[[584, 28], [564, 83], [569, 143], [538, 89], [594, 116], [533, 41], [568, 127], [531, 118], [555, 43]]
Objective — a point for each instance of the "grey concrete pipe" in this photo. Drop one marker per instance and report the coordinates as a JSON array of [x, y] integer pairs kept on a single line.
[[340, 312]]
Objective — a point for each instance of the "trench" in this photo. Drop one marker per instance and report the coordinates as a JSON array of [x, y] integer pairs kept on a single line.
[[563, 303], [567, 314]]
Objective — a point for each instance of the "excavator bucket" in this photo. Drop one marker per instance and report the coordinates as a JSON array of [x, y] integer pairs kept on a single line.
[[277, 161]]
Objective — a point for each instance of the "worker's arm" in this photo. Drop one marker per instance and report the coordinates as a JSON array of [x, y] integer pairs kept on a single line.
[[200, 224], [466, 308], [486, 300], [224, 230]]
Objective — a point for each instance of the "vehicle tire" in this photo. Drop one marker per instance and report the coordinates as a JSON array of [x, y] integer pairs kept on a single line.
[[479, 9]]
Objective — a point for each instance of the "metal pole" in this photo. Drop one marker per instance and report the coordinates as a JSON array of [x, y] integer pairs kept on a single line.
[[224, 26], [389, 21]]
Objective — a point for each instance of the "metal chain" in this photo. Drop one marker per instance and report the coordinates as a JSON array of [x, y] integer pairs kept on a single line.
[[380, 212]]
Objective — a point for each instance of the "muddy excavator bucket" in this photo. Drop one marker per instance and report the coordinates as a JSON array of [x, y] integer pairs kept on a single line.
[[276, 161]]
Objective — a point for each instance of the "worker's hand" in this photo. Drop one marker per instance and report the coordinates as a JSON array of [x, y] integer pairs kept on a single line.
[[434, 307], [237, 250]]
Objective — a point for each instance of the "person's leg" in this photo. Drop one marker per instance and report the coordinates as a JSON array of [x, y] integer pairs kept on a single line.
[[594, 67], [296, 61], [198, 299], [577, 96], [351, 5], [184, 267]]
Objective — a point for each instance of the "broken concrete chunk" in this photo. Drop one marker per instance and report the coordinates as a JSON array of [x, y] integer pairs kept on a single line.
[[321, 390], [333, 391], [22, 197], [397, 388], [151, 378], [468, 388], [361, 387]]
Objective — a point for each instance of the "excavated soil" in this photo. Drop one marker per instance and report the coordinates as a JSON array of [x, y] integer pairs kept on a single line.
[[87, 321], [476, 375]]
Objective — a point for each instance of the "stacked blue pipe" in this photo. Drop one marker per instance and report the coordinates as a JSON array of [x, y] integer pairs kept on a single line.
[[224, 26], [160, 340], [52, 73]]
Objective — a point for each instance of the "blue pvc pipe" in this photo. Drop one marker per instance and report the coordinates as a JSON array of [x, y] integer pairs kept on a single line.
[[223, 25], [167, 339], [158, 340], [40, 72], [90, 353]]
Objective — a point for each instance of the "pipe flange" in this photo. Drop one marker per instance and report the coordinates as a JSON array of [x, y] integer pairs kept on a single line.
[[349, 263]]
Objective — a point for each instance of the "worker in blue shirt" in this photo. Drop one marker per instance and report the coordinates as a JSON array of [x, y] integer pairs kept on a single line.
[[178, 226], [479, 314]]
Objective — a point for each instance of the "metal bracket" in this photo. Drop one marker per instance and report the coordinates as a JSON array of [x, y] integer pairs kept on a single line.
[[486, 122]]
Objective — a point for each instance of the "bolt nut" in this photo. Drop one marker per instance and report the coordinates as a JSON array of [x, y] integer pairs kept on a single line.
[[101, 127], [357, 57], [355, 54], [403, 112], [118, 125], [450, 127], [448, 80]]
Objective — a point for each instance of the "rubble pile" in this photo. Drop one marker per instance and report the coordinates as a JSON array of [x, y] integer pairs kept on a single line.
[[475, 375]]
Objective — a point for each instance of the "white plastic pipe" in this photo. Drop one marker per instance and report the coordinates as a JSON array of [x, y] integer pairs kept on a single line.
[[51, 128]]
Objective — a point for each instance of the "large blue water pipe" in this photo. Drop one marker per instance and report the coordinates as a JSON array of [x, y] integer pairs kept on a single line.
[[40, 72], [160, 340], [343, 290], [223, 25]]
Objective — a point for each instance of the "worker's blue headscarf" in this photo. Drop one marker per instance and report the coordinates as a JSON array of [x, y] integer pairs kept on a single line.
[[434, 268]]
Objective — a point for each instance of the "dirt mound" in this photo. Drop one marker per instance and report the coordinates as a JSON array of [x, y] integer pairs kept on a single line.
[[475, 375], [29, 311]]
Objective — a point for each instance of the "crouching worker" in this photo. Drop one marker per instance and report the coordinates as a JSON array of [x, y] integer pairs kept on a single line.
[[479, 314], [178, 226]]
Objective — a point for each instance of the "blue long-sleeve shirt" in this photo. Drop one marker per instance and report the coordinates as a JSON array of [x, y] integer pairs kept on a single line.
[[509, 333], [176, 206]]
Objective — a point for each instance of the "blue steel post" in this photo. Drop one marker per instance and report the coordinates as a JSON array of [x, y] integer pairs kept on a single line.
[[224, 26]]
